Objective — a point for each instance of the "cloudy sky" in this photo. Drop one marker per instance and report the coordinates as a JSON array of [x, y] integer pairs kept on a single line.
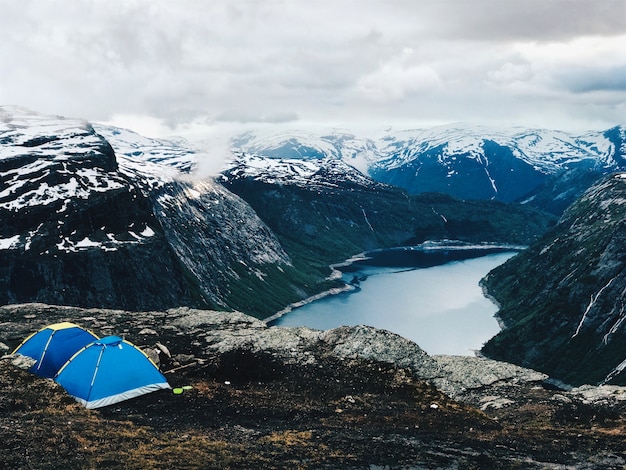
[[189, 67]]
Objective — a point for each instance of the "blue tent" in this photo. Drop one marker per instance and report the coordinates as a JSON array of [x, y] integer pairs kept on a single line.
[[108, 371], [53, 345]]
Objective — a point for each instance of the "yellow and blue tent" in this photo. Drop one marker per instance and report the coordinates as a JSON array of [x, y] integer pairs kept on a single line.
[[108, 371], [53, 345]]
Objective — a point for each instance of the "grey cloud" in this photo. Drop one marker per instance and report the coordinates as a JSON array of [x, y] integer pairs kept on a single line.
[[535, 20], [585, 80], [277, 61], [243, 117]]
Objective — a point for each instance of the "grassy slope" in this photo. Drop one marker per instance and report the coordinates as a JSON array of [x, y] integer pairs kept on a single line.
[[321, 227], [545, 290]]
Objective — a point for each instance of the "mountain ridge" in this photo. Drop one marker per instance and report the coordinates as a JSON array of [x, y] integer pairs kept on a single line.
[[139, 231], [467, 162]]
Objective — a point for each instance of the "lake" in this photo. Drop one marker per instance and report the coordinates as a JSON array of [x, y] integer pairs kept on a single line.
[[442, 308]]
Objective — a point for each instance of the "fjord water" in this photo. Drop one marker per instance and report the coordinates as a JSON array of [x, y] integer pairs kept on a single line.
[[441, 308]]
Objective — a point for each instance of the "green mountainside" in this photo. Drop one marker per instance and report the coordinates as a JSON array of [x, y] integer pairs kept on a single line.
[[320, 226], [563, 301]]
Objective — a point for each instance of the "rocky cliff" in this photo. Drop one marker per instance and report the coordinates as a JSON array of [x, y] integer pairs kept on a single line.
[[82, 225], [562, 300]]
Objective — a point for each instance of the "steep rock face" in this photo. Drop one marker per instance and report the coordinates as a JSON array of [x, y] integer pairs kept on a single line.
[[74, 228], [223, 244], [563, 299], [82, 226]]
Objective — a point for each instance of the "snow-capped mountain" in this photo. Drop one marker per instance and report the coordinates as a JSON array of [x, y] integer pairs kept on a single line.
[[311, 174], [42, 149], [305, 145], [137, 150], [99, 216], [563, 300], [545, 150], [475, 162], [468, 162], [48, 167], [83, 226]]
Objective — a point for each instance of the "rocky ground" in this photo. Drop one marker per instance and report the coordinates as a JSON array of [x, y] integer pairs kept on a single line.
[[298, 398]]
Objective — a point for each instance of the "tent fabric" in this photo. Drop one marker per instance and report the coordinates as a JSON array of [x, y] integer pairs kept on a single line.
[[53, 345], [109, 371]]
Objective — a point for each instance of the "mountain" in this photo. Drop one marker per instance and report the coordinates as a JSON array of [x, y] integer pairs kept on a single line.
[[467, 162], [137, 150], [316, 174], [563, 300], [89, 225], [97, 216], [306, 145]]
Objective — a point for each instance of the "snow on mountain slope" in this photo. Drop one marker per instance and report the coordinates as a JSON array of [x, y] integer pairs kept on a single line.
[[53, 169], [546, 150], [311, 174], [80, 225], [42, 150], [299, 144], [176, 153], [468, 162]]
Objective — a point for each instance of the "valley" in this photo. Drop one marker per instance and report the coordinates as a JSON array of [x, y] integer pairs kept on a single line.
[[118, 232], [380, 235], [441, 307]]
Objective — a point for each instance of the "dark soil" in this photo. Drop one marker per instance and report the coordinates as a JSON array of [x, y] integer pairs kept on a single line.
[[344, 414], [254, 410]]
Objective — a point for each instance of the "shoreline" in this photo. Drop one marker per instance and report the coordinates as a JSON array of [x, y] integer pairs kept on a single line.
[[425, 255], [427, 247], [289, 308], [493, 300]]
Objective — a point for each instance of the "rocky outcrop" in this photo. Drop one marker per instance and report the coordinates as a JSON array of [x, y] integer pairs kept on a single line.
[[463, 374], [281, 397], [197, 336]]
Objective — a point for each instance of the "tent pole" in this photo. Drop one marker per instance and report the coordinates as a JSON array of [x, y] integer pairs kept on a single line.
[[45, 349], [95, 371]]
